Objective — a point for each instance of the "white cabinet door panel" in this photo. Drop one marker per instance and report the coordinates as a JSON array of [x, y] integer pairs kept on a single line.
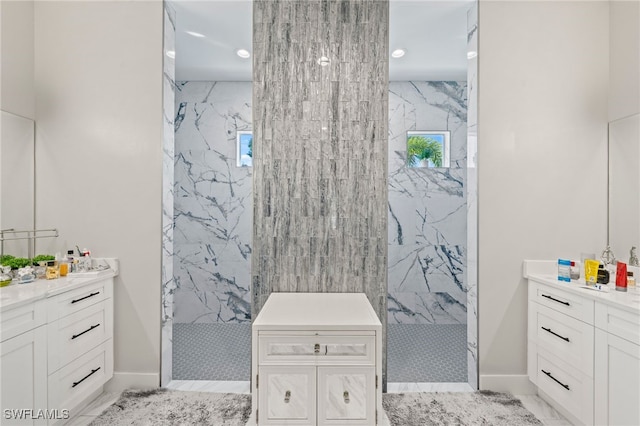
[[24, 378], [346, 395], [287, 395], [617, 381]]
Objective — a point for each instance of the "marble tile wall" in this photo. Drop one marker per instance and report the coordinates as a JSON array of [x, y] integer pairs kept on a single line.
[[427, 207], [212, 204], [168, 283], [472, 196], [320, 148]]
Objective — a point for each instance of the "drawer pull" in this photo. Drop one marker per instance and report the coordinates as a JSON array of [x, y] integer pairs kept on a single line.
[[86, 297], [556, 380], [85, 377], [556, 300], [345, 395], [548, 330], [86, 331], [287, 396], [316, 348]]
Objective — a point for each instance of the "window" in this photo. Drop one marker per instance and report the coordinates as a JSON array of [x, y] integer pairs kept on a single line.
[[428, 149], [244, 154]]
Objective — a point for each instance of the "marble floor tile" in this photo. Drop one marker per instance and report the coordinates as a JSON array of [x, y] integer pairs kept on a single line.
[[210, 386], [428, 387], [542, 410], [80, 420]]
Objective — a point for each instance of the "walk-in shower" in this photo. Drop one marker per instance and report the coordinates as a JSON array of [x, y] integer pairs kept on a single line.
[[431, 297]]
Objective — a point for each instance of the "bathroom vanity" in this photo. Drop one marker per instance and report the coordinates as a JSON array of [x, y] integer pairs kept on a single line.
[[56, 346], [316, 360], [583, 348]]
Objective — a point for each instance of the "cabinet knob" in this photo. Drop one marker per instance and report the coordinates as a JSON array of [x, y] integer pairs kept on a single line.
[[287, 396], [345, 395], [316, 348]]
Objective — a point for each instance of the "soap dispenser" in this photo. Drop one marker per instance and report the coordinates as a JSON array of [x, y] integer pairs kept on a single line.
[[633, 257]]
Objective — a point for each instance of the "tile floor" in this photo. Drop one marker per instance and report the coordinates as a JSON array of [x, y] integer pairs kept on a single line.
[[424, 353], [543, 411]]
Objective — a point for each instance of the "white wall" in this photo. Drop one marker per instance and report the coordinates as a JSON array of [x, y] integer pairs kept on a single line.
[[16, 70], [624, 122], [624, 55], [98, 74], [543, 77]]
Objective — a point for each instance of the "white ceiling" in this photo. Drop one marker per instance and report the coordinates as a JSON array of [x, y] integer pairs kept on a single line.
[[432, 32]]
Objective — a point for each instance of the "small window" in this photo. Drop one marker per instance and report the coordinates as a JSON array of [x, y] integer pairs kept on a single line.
[[244, 154], [428, 149]]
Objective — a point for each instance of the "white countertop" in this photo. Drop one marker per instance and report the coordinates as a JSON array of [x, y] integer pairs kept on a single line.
[[325, 311], [15, 294], [546, 272]]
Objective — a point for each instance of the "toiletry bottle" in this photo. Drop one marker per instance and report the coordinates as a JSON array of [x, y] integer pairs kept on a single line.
[[631, 281], [564, 270], [86, 259], [70, 259], [621, 277], [575, 270], [603, 275]]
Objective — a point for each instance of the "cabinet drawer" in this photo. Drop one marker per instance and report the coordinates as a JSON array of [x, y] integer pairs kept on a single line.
[[75, 300], [346, 395], [21, 319], [569, 304], [287, 395], [568, 386], [75, 334], [618, 322], [71, 384], [316, 349], [565, 337]]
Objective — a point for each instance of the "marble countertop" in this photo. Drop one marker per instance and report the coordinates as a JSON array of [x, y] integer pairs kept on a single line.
[[326, 311], [546, 272], [15, 295]]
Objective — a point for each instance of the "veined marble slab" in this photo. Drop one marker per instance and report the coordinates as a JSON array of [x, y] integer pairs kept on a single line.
[[213, 205], [427, 230]]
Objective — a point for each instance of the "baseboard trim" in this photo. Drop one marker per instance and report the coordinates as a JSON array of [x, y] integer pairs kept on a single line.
[[513, 383], [122, 381]]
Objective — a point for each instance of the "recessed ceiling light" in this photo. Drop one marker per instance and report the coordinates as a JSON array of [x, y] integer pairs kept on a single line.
[[171, 54], [398, 53], [323, 61], [243, 53], [472, 54], [195, 34]]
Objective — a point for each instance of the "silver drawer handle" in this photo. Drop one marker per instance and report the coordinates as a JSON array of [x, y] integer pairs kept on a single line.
[[316, 348], [345, 395], [287, 396]]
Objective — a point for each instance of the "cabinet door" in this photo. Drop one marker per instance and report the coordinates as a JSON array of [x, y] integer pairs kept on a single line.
[[346, 395], [617, 380], [287, 395], [23, 363]]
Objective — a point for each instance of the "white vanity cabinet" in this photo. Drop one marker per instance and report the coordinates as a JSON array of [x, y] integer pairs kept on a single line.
[[316, 360], [584, 348], [56, 349], [23, 363], [617, 366]]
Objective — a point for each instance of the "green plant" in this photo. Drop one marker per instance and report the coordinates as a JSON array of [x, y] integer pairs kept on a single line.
[[17, 262], [422, 148], [6, 258], [250, 145], [42, 258]]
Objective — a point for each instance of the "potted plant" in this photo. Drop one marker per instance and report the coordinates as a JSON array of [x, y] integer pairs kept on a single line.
[[422, 150]]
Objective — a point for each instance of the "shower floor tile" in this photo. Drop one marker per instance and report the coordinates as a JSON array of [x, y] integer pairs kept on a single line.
[[417, 353], [427, 353], [219, 351]]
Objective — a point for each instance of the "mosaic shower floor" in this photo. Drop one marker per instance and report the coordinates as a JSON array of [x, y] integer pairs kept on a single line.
[[417, 353], [427, 353], [219, 351]]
